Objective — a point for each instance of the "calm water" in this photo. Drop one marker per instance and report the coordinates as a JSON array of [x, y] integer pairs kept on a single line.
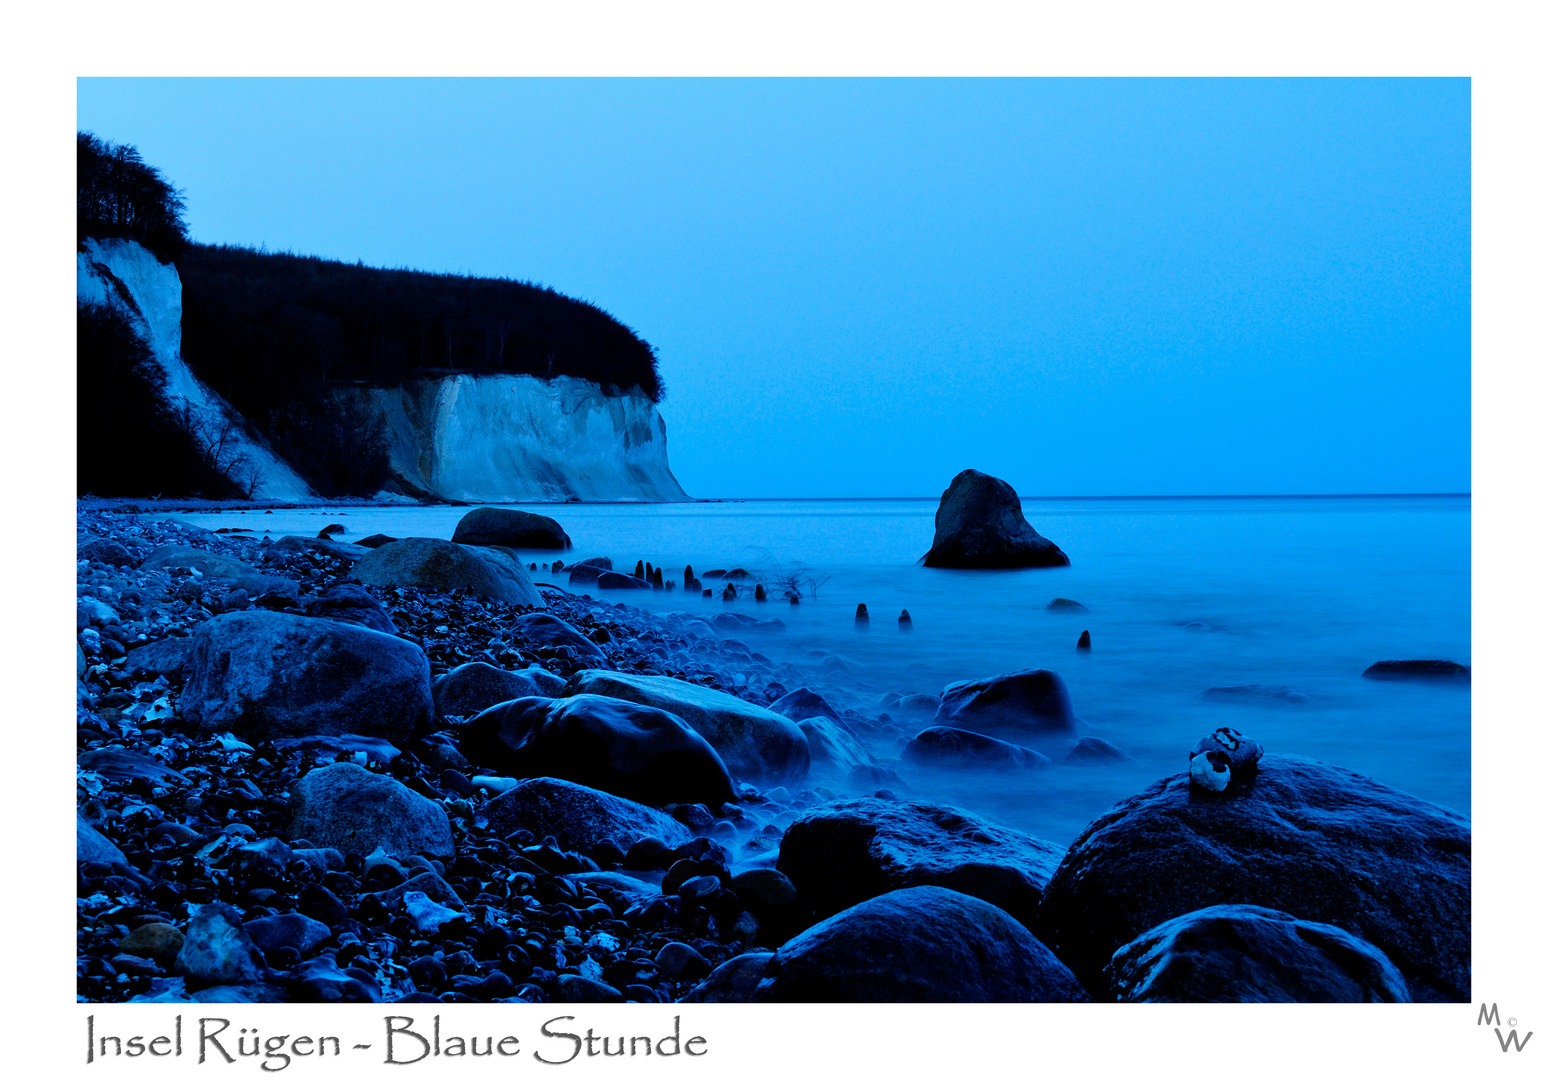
[[1184, 595]]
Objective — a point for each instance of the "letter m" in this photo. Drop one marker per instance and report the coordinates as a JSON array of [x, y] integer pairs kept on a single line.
[[1489, 1014], [1508, 1041]]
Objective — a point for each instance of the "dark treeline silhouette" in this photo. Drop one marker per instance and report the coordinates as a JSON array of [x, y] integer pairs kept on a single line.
[[129, 440], [117, 194]]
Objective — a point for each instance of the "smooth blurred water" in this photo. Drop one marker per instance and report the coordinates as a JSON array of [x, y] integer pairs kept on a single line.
[[1184, 595]]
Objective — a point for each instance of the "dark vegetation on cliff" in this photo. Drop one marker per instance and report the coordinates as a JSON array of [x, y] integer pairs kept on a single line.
[[277, 334], [128, 439]]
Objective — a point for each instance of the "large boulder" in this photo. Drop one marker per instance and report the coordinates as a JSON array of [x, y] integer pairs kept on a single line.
[[841, 853], [538, 629], [1238, 952], [492, 526], [1318, 842], [957, 747], [468, 689], [607, 579], [634, 751], [834, 751], [925, 945], [588, 570], [979, 526], [227, 573], [346, 807], [352, 604], [1017, 705], [442, 566], [756, 744], [271, 674], [579, 817]]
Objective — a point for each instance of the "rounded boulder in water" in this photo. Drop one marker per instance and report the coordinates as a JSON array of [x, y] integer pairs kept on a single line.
[[496, 527], [635, 751], [960, 747], [1020, 704], [441, 566], [1299, 836], [979, 526], [926, 944]]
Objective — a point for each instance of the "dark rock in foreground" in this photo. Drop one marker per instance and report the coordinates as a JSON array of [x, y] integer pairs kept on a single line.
[[625, 749], [1020, 704], [343, 806], [1439, 670], [579, 817], [442, 566], [274, 674], [979, 526], [922, 944], [1319, 842], [492, 526], [1239, 953], [469, 689], [842, 853], [352, 604], [960, 748]]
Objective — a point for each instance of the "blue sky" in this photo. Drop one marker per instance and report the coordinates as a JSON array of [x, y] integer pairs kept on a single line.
[[861, 287]]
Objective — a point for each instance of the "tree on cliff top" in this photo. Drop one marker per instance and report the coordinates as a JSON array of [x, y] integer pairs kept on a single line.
[[117, 194]]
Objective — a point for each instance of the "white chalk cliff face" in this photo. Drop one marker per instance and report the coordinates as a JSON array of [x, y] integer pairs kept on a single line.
[[124, 275], [519, 438]]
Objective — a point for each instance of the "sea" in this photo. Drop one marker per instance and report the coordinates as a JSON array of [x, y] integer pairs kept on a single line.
[[1289, 597]]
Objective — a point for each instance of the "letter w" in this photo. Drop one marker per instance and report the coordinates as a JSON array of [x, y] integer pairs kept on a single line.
[[1508, 1041]]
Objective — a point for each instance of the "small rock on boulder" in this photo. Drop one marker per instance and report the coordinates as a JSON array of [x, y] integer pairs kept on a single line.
[[979, 526], [1314, 840], [926, 944], [274, 674], [492, 526], [1237, 953], [1021, 704], [343, 806], [844, 852], [442, 566], [579, 817], [754, 743], [617, 746]]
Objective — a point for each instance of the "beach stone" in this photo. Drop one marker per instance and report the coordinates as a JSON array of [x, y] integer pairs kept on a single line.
[[579, 990], [121, 763], [833, 750], [325, 982], [843, 852], [493, 526], [579, 817], [92, 846], [924, 944], [630, 750], [959, 748], [1420, 670], [332, 745], [1239, 953], [755, 743], [610, 580], [678, 960], [292, 930], [156, 941], [318, 545], [274, 674], [343, 806], [428, 884], [1319, 842], [226, 572], [979, 525], [352, 604], [1020, 704], [803, 704], [217, 949], [442, 566], [587, 570], [471, 688], [105, 551], [538, 628], [1090, 749]]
